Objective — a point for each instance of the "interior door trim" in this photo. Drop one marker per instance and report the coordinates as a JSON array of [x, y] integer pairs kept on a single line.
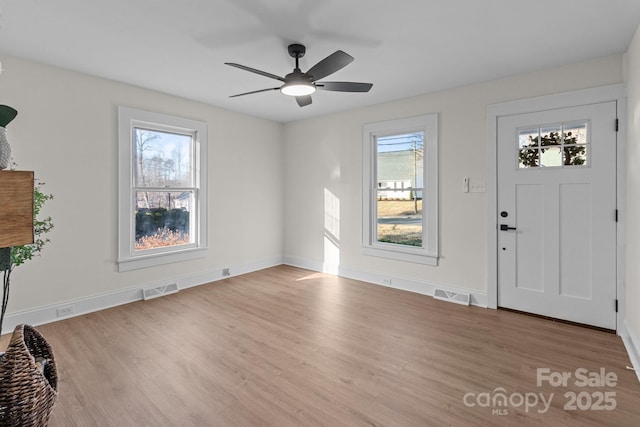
[[616, 93]]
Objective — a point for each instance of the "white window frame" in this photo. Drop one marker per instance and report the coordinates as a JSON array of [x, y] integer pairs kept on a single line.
[[428, 253], [128, 258]]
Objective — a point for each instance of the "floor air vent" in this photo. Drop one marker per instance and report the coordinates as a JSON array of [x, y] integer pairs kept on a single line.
[[159, 291], [455, 297]]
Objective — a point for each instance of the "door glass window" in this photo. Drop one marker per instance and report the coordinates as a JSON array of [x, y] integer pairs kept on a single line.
[[556, 145]]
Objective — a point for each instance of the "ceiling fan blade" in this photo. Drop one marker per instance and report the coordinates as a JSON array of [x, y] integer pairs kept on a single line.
[[329, 65], [303, 101], [344, 86], [255, 91], [253, 70]]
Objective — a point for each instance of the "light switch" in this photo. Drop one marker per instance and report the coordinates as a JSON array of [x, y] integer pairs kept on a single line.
[[477, 187]]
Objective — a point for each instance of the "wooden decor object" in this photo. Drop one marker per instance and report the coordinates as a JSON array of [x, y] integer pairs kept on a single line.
[[16, 208]]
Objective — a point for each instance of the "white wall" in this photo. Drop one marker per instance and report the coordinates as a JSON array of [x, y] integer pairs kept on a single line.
[[633, 197], [66, 131], [325, 155]]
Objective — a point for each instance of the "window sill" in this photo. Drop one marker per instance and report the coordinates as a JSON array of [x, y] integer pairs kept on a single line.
[[153, 260], [400, 254]]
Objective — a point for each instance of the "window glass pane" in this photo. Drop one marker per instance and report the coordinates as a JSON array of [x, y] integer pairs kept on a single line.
[[550, 157], [575, 155], [575, 133], [529, 159], [400, 222], [163, 218], [550, 135], [162, 159], [528, 138], [399, 183]]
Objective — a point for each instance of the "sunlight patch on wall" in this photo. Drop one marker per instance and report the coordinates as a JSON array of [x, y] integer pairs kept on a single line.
[[331, 261]]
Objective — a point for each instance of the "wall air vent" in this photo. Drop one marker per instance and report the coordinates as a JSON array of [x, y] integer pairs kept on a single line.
[[159, 291], [455, 297]]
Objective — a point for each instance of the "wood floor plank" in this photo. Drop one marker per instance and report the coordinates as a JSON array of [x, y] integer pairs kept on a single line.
[[290, 347]]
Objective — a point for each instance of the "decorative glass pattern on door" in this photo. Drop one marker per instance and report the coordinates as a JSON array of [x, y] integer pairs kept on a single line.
[[556, 145]]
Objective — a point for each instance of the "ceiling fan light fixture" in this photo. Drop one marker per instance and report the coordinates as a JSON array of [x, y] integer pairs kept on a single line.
[[301, 85], [298, 89]]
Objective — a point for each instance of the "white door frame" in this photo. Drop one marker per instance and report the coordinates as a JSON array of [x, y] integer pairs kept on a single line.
[[615, 92]]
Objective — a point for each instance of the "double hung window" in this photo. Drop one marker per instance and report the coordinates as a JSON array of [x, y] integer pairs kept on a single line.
[[400, 189], [162, 211]]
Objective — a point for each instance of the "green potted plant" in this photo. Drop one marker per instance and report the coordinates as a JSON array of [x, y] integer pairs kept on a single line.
[[20, 254]]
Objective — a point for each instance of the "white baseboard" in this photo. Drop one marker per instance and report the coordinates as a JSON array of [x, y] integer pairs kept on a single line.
[[632, 344], [478, 298], [47, 314], [307, 265], [212, 276]]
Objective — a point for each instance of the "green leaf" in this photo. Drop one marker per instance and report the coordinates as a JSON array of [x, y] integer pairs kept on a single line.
[[21, 254]]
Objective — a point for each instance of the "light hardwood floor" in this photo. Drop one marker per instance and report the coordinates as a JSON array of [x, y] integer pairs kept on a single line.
[[289, 347]]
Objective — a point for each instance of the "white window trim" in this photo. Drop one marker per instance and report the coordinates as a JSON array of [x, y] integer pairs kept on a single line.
[[428, 254], [128, 118]]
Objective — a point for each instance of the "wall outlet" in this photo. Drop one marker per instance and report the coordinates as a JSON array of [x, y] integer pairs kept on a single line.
[[386, 282], [226, 272], [64, 311]]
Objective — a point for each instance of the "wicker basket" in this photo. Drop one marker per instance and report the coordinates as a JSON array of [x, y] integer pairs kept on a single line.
[[28, 379]]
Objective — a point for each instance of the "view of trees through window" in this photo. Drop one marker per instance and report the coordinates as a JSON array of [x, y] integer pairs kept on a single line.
[[560, 145], [400, 172], [163, 187]]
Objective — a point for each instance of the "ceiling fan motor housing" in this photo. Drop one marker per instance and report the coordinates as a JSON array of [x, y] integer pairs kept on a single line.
[[297, 50]]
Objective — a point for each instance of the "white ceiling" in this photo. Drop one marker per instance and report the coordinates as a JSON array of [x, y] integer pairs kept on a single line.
[[404, 47]]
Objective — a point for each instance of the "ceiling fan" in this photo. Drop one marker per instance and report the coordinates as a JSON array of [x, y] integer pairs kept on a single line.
[[302, 85]]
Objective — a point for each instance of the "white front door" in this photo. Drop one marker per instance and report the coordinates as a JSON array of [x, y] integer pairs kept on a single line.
[[557, 213]]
